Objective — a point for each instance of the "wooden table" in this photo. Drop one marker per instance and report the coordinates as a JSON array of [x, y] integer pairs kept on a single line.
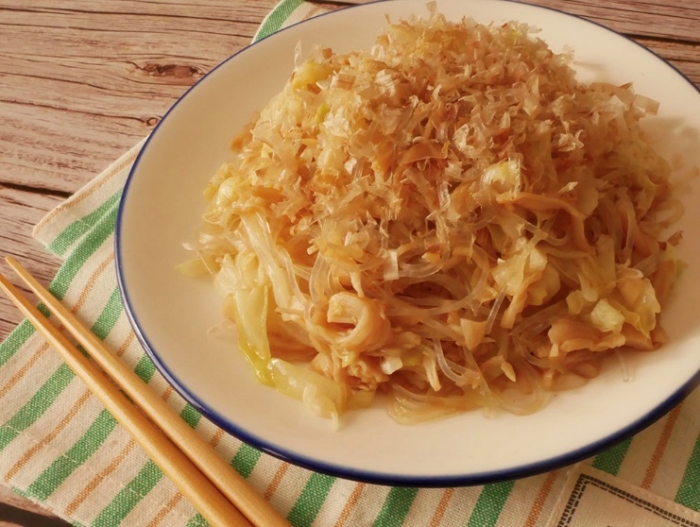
[[83, 80]]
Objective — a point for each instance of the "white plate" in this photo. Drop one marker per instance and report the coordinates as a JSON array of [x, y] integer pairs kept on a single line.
[[161, 209]]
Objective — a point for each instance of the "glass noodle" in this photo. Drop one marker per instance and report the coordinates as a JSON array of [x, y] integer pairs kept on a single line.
[[449, 219]]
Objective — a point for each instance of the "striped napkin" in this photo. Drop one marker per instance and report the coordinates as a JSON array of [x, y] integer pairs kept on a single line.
[[59, 447]]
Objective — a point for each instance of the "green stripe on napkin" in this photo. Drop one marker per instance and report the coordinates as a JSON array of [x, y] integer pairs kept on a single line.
[[47, 483], [490, 504], [108, 318], [277, 17], [396, 507], [611, 460], [689, 491], [245, 460], [36, 406], [125, 501], [311, 500], [80, 227]]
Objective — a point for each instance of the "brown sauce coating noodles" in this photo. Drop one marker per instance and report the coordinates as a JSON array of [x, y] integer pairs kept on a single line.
[[450, 219]]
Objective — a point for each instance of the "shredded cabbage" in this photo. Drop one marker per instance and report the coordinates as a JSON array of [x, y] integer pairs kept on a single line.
[[449, 219]]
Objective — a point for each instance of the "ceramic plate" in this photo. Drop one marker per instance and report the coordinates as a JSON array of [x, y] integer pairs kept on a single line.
[[172, 315]]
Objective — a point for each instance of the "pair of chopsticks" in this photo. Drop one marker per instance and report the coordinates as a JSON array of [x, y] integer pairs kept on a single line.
[[217, 491]]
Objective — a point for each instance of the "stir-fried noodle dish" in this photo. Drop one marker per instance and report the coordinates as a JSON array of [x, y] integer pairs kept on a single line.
[[450, 219]]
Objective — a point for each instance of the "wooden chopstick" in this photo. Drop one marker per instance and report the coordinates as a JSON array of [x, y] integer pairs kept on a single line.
[[204, 496], [214, 488]]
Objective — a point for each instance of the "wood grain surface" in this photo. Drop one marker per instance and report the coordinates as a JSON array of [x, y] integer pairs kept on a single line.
[[81, 81]]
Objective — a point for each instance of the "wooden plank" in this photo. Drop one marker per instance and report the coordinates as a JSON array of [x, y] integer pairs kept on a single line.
[[61, 150], [26, 209], [75, 95], [250, 12], [685, 57], [677, 19], [81, 84]]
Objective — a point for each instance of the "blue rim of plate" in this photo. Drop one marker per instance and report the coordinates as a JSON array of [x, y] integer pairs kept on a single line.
[[381, 478]]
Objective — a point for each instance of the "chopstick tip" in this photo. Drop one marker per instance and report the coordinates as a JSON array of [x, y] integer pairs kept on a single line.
[[6, 286], [21, 272], [11, 261], [19, 269]]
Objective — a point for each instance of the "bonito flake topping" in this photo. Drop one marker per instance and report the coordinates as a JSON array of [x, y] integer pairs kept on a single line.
[[451, 219]]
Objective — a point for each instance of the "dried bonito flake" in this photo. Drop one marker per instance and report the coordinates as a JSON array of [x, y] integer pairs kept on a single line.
[[450, 218]]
